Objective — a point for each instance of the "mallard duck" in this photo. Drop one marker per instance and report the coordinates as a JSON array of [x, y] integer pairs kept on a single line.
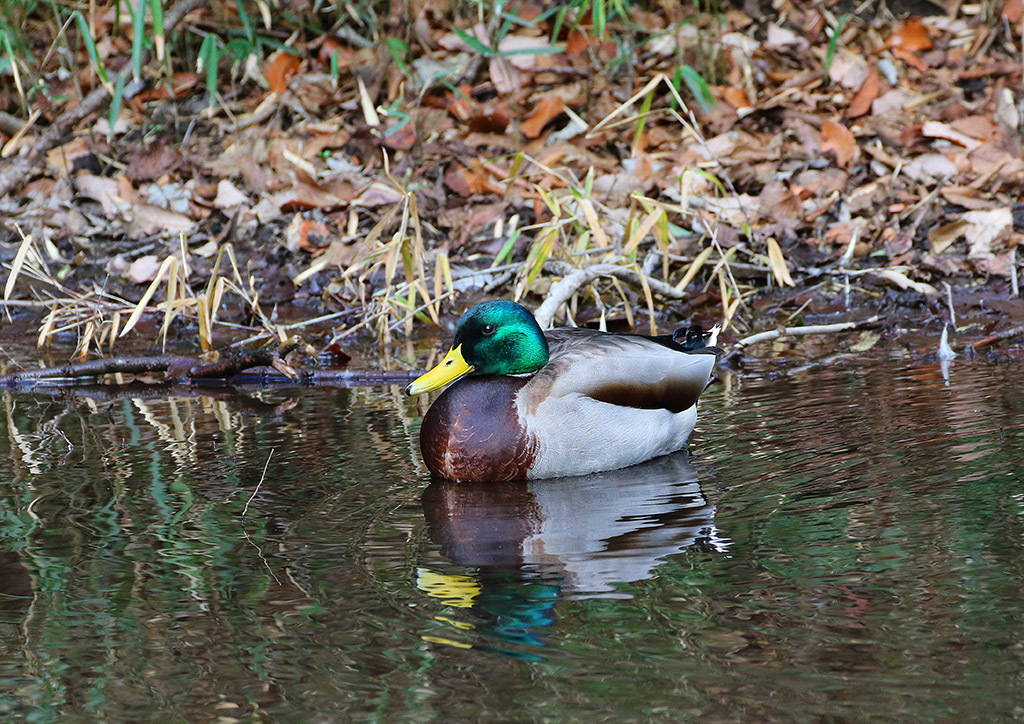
[[531, 404]]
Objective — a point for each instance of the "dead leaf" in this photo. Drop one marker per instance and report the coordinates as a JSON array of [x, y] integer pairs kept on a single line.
[[735, 97], [577, 42], [910, 59], [452, 41], [904, 282], [125, 189], [997, 264], [150, 219], [1006, 110], [837, 137], [144, 269], [778, 264], [517, 48], [228, 195], [867, 94], [779, 37], [297, 234], [101, 189], [300, 197], [505, 76], [979, 127], [338, 253], [1012, 12], [378, 194], [461, 104], [618, 186], [550, 106], [402, 138], [490, 119], [969, 198], [848, 69], [989, 156], [895, 100], [777, 201], [328, 48], [280, 69], [984, 229], [177, 86], [912, 36], [934, 129], [929, 166], [469, 181], [67, 158], [867, 340], [942, 237]]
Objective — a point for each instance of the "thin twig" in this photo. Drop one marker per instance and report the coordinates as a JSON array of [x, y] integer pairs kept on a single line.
[[259, 484], [798, 331]]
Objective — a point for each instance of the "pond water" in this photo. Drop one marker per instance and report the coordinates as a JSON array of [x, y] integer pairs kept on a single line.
[[841, 544]]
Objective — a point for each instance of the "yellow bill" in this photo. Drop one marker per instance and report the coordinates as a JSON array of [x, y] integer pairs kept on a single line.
[[451, 368]]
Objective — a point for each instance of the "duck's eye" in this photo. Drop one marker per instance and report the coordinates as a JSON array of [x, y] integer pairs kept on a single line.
[[488, 330]]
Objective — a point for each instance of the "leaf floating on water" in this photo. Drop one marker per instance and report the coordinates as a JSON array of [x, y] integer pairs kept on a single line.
[[867, 340]]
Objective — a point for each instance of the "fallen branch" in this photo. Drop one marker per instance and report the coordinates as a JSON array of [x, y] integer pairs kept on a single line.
[[573, 279], [177, 367], [797, 332], [235, 370], [19, 171], [993, 338]]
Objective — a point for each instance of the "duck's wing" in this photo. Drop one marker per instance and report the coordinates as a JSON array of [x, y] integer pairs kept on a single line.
[[622, 369]]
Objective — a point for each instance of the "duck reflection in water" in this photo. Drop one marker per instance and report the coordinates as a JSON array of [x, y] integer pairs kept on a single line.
[[535, 543]]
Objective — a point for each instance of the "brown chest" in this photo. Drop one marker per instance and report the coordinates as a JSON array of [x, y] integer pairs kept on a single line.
[[472, 432]]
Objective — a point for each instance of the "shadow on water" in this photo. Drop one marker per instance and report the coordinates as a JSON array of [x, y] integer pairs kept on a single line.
[[844, 545], [534, 544]]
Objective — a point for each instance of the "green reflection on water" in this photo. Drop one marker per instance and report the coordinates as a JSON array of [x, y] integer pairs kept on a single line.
[[845, 545]]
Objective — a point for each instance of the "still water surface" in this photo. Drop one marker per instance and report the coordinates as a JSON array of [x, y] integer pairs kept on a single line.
[[841, 544]]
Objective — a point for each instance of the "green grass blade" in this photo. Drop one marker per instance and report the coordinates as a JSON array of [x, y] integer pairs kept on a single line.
[[556, 27], [115, 105], [246, 22], [506, 248], [833, 42], [645, 108], [156, 9], [473, 43], [209, 55], [600, 15], [546, 50], [698, 87], [399, 53], [90, 46], [138, 38]]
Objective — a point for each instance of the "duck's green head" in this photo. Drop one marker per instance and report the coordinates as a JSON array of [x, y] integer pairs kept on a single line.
[[493, 338]]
